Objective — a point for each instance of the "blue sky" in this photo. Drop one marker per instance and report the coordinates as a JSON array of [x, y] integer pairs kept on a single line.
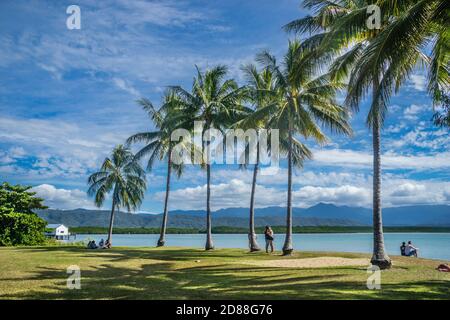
[[68, 96]]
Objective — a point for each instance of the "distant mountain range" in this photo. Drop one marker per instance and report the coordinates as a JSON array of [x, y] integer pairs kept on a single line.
[[321, 214]]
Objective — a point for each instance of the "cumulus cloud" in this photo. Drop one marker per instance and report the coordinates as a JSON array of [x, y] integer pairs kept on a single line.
[[396, 191], [343, 195], [408, 189], [63, 198], [55, 148], [235, 193], [413, 111], [126, 86], [361, 159], [418, 82]]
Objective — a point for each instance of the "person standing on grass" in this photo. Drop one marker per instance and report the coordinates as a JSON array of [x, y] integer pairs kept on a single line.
[[268, 235]]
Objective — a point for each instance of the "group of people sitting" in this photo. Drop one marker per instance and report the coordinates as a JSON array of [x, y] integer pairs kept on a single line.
[[101, 245], [408, 250]]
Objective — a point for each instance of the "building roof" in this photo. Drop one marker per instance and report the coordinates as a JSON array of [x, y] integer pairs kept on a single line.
[[54, 225]]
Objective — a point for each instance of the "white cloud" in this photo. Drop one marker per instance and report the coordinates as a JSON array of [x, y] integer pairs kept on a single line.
[[63, 198], [418, 82], [126, 86], [57, 148], [413, 111], [342, 195], [235, 193], [396, 191], [422, 137], [361, 159], [412, 192], [408, 189]]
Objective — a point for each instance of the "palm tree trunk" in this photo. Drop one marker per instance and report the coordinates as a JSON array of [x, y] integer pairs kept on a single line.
[[111, 222], [162, 235], [253, 244], [209, 242], [380, 257], [287, 247]]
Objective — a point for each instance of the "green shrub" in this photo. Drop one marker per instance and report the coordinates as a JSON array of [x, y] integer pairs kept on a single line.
[[21, 229]]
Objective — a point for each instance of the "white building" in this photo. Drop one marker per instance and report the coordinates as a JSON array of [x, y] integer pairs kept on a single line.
[[57, 231]]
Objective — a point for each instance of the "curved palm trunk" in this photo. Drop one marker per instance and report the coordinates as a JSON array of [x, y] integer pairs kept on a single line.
[[162, 235], [380, 257], [287, 247], [111, 222], [209, 242], [253, 244]]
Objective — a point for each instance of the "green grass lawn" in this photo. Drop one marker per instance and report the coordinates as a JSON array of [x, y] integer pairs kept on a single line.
[[181, 273]]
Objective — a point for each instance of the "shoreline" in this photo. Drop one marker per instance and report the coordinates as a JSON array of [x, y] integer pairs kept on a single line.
[[277, 229]]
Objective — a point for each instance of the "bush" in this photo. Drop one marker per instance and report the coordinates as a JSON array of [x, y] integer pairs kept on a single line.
[[21, 229]]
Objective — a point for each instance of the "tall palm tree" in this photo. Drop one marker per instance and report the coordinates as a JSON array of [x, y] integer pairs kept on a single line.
[[379, 59], [218, 103], [260, 89], [307, 103], [158, 144], [339, 26], [122, 174]]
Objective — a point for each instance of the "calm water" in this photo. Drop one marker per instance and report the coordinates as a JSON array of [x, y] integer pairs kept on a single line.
[[431, 245]]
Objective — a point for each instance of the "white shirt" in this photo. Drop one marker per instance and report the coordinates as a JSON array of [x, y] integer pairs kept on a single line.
[[409, 248]]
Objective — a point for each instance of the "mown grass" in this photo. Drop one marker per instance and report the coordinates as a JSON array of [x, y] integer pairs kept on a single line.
[[180, 273]]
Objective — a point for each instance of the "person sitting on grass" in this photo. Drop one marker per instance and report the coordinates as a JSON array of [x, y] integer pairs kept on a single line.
[[101, 243], [92, 245], [410, 250], [403, 248], [107, 245]]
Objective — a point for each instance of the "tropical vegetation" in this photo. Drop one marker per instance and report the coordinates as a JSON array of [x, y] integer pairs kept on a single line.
[[336, 48], [339, 50], [217, 103], [19, 224]]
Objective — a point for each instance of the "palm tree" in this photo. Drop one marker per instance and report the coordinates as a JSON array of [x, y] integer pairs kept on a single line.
[[122, 174], [381, 59], [216, 102], [389, 57], [306, 103], [260, 88], [158, 144]]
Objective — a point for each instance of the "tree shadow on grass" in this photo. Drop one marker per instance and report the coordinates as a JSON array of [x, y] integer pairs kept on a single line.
[[161, 277]]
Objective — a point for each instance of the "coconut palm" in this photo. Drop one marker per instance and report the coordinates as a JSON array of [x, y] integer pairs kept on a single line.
[[379, 59], [122, 174], [218, 104], [307, 102], [260, 92], [338, 26], [158, 143]]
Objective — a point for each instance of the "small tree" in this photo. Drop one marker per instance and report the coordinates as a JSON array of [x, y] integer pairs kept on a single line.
[[122, 174], [19, 199], [19, 225]]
